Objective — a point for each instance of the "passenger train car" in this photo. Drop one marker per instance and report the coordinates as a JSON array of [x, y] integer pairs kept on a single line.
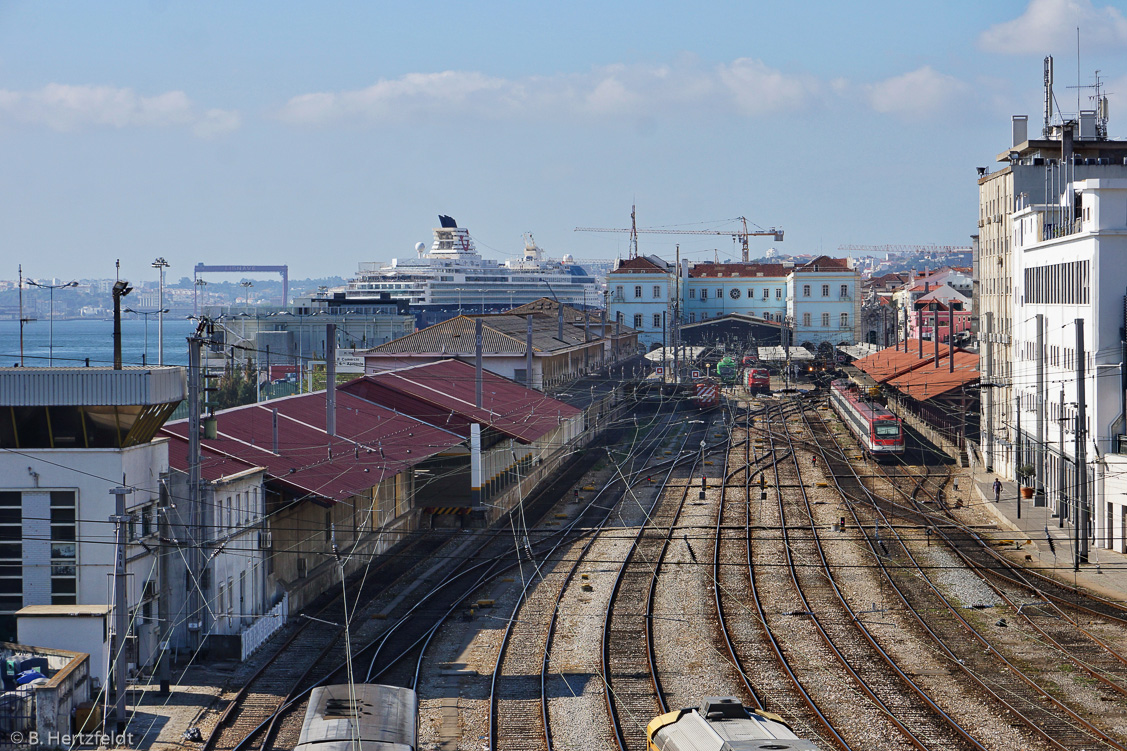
[[875, 428], [370, 717], [722, 723]]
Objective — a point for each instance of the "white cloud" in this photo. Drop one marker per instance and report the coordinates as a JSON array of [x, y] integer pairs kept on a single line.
[[63, 107], [916, 94], [608, 92], [1050, 25]]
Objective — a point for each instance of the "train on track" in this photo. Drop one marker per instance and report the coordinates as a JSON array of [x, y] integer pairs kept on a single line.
[[706, 393], [758, 380], [727, 370], [363, 716], [878, 431], [722, 723]]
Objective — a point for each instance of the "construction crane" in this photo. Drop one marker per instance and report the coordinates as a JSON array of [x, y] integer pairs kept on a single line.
[[881, 249], [740, 236]]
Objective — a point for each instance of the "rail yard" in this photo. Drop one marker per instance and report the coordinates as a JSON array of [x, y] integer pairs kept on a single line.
[[753, 550]]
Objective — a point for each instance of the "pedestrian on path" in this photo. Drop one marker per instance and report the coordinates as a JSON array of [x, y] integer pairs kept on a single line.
[[997, 490]]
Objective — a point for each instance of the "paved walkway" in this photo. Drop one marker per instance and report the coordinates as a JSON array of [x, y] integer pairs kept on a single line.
[[1105, 573]]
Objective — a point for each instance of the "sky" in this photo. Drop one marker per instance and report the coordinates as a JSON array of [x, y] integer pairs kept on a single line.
[[320, 135]]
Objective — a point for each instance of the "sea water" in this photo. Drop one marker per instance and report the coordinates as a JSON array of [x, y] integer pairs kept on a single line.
[[75, 341]]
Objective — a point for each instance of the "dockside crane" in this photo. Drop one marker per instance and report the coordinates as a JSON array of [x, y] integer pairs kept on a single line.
[[740, 236]]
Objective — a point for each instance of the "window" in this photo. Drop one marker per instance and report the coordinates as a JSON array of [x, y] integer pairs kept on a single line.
[[805, 319], [750, 293], [845, 320], [825, 290], [719, 292], [657, 320], [778, 293], [766, 316], [766, 293], [637, 290], [825, 320], [693, 294], [845, 290], [657, 291], [637, 320], [620, 317], [806, 290], [228, 512], [703, 293], [692, 317], [618, 292]]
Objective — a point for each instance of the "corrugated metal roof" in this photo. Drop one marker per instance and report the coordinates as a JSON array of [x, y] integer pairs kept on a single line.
[[70, 387], [444, 393], [371, 443]]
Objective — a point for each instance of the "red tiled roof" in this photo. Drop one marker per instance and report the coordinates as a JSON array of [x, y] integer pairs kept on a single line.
[[725, 270], [444, 393], [825, 263], [371, 443], [641, 264], [891, 362], [928, 382]]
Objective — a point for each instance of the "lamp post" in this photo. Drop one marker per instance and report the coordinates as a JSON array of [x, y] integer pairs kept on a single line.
[[51, 339], [146, 314], [160, 265], [246, 285], [201, 287]]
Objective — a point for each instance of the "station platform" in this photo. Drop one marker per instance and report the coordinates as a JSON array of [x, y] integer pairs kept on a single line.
[[1104, 575]]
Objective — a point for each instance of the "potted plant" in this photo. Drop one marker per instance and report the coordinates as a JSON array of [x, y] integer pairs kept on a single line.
[[1025, 475]]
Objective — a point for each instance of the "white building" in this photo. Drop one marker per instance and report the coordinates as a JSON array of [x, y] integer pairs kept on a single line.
[[642, 292], [73, 435], [824, 302], [1068, 265], [713, 290]]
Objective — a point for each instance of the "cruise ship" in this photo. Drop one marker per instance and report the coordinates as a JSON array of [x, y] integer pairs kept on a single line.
[[453, 273]]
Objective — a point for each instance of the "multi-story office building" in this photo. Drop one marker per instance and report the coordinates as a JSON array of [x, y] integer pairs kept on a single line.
[[1035, 171], [1068, 267]]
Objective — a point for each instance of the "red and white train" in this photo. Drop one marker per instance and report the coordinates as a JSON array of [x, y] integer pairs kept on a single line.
[[875, 428]]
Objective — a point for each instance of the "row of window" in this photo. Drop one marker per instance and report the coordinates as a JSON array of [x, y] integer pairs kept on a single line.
[[240, 511], [733, 292], [1056, 356], [1058, 283], [843, 321]]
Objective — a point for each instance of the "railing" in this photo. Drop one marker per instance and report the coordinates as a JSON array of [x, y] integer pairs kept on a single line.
[[264, 627]]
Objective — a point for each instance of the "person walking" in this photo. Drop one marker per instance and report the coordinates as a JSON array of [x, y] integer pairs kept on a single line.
[[997, 490]]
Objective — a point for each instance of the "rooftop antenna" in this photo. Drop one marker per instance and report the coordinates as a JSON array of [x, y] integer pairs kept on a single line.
[[1048, 96], [633, 232]]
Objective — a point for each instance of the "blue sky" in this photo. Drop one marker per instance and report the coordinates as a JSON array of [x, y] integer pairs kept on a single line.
[[323, 134]]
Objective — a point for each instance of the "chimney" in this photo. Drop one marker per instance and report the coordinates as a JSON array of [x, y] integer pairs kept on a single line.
[[1020, 129]]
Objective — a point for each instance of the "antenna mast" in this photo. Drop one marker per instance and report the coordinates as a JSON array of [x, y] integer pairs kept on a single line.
[[633, 233], [1048, 96]]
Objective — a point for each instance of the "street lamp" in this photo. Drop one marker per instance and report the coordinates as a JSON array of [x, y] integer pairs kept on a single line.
[[160, 265], [146, 314], [201, 287], [52, 287], [246, 285]]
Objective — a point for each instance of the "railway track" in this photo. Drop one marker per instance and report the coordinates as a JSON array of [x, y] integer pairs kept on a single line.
[[633, 693], [965, 646], [769, 682], [905, 704], [518, 700], [267, 705]]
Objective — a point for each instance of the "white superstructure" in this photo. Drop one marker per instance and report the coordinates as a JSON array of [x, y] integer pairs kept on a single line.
[[454, 273]]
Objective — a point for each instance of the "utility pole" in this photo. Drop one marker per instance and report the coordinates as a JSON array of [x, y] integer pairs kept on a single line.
[[989, 393], [160, 264], [1080, 524], [195, 520], [677, 315], [1062, 499], [1020, 453], [120, 604], [1039, 456]]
